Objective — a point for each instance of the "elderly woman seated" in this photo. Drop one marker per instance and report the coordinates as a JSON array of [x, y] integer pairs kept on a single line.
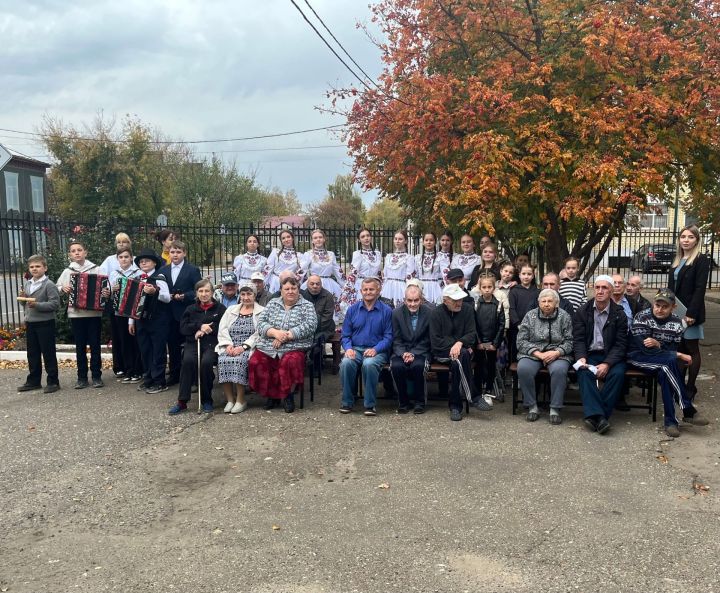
[[236, 343], [285, 331], [545, 339]]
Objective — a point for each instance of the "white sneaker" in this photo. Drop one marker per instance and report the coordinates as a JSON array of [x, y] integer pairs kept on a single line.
[[238, 407], [488, 399], [228, 407]]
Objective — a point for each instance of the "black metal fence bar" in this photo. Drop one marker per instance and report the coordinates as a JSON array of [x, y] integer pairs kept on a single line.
[[647, 252]]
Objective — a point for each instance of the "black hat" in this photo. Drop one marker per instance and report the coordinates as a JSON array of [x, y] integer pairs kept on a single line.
[[455, 274], [149, 254]]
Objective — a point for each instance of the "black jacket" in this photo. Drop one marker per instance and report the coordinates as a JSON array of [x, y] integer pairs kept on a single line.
[[446, 328], [324, 303], [404, 338], [521, 301], [477, 270], [489, 322], [615, 332], [185, 284], [194, 317], [690, 286], [638, 304]]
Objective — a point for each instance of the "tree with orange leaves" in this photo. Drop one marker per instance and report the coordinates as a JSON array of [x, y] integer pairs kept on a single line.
[[542, 120]]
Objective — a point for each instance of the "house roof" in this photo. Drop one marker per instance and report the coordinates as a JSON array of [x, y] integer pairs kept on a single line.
[[21, 159]]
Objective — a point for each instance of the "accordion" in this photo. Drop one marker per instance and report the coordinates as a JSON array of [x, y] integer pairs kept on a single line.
[[130, 300], [86, 291]]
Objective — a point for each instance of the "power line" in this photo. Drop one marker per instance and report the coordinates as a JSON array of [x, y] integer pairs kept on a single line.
[[330, 47], [259, 137], [273, 149], [317, 16]]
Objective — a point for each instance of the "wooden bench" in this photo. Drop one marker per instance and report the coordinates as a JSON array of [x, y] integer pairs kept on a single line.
[[648, 384]]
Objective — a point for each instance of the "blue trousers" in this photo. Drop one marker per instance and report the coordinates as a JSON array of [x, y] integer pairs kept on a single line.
[[370, 372], [599, 401], [664, 365]]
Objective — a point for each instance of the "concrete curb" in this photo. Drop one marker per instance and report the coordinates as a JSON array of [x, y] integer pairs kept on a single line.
[[61, 355]]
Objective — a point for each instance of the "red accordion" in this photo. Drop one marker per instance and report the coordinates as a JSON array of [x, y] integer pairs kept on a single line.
[[130, 300], [86, 291]]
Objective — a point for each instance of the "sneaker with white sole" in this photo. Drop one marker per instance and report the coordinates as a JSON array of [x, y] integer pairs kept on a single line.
[[238, 407], [228, 407], [488, 399]]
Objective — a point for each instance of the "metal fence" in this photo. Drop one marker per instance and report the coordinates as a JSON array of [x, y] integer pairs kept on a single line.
[[213, 248]]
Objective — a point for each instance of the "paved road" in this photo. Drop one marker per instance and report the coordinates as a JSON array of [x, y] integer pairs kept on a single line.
[[102, 491]]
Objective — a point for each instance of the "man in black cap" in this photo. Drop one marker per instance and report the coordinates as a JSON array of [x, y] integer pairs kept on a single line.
[[656, 335], [456, 276], [227, 294]]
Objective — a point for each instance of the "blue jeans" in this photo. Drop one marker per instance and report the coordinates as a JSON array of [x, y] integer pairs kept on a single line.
[[597, 401], [370, 372]]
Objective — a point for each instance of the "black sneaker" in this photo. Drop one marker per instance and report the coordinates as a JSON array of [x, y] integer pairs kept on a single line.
[[51, 388], [28, 387], [403, 409], [135, 379], [289, 403], [156, 389], [370, 412], [603, 426], [345, 409], [98, 383], [455, 415], [419, 409], [82, 384], [143, 386]]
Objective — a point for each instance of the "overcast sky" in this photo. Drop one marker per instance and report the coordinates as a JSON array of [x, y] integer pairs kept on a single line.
[[196, 70]]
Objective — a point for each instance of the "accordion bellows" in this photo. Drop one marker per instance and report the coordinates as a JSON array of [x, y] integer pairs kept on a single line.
[[130, 300], [86, 291]]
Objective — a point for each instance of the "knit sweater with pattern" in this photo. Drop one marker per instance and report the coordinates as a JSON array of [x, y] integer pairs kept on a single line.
[[667, 331]]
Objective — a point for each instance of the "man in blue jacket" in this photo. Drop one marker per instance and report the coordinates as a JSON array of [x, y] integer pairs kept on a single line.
[[366, 338], [181, 278]]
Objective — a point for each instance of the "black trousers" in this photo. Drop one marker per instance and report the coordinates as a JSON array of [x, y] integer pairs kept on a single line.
[[402, 372], [174, 348], [125, 350], [86, 331], [152, 340], [485, 369], [188, 372], [456, 397], [40, 336]]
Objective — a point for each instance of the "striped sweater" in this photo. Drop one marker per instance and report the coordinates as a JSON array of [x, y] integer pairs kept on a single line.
[[667, 331], [574, 292]]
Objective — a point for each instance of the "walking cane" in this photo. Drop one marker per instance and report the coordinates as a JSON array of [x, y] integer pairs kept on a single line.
[[198, 379]]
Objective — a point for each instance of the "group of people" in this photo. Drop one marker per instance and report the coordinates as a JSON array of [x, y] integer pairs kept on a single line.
[[259, 325]]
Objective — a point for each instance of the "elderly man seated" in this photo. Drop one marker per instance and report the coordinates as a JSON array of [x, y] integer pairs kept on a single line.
[[600, 337], [452, 338], [632, 291], [324, 303], [411, 349]]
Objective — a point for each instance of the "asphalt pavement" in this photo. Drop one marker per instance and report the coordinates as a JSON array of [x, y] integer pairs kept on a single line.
[[103, 491]]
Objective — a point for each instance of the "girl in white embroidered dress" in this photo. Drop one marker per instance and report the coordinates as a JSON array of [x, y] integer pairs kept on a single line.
[[285, 258], [399, 267], [323, 263], [468, 259], [429, 269], [365, 263], [246, 264], [446, 254]]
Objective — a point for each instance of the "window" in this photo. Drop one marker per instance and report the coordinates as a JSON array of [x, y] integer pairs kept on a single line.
[[15, 244], [38, 198], [655, 216], [12, 194]]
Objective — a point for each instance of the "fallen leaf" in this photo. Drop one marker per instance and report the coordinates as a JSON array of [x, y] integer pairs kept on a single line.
[[662, 458], [31, 428], [217, 531], [701, 488], [276, 527], [219, 448], [384, 486]]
